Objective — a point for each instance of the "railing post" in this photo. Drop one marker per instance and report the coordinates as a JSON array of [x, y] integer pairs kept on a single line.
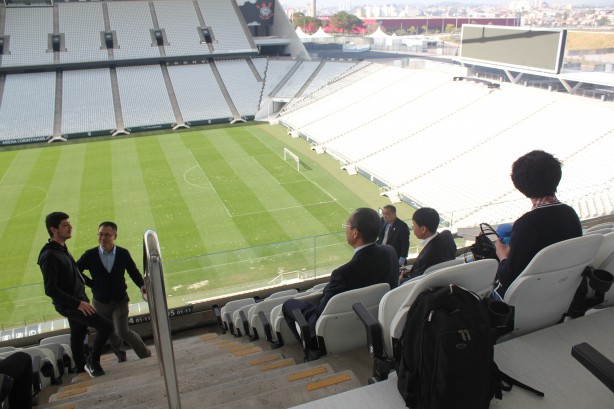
[[158, 310], [315, 260]]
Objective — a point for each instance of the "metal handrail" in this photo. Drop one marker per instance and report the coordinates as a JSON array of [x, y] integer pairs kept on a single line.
[[158, 309]]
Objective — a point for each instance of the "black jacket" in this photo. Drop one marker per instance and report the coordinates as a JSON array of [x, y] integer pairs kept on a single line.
[[63, 282], [441, 248], [109, 286], [370, 265], [398, 237]]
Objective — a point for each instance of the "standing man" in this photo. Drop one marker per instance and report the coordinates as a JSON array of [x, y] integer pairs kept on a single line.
[[107, 264], [64, 284], [371, 264], [394, 232], [436, 247]]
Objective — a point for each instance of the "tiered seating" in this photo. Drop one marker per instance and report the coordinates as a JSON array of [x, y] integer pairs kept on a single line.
[[144, 97], [87, 101], [227, 29], [243, 87], [276, 71], [328, 73], [198, 93], [81, 24], [27, 106], [298, 79], [132, 23], [29, 42], [260, 64], [179, 21]]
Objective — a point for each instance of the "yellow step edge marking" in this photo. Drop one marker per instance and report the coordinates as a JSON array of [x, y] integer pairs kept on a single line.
[[215, 341], [105, 364], [229, 344], [248, 352], [76, 386], [306, 374], [333, 380], [106, 357], [208, 336], [279, 364], [65, 406], [240, 348], [81, 377], [264, 360], [68, 394]]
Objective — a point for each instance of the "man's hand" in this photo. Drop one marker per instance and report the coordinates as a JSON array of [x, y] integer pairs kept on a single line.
[[86, 308]]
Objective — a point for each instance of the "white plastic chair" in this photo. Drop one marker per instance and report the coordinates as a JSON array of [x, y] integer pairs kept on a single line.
[[542, 293], [444, 264], [228, 310], [339, 329]]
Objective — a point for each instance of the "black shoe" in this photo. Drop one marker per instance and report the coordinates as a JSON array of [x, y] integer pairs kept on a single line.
[[94, 369]]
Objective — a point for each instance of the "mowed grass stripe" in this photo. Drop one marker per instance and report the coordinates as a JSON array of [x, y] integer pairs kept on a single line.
[[217, 230], [133, 213], [97, 202], [320, 205], [175, 228], [258, 229]]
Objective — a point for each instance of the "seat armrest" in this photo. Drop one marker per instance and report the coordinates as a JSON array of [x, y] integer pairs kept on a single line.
[[229, 323], [244, 322], [218, 317], [266, 324], [595, 362], [375, 335]]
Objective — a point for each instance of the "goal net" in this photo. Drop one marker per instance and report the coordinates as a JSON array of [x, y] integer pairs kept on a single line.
[[289, 156]]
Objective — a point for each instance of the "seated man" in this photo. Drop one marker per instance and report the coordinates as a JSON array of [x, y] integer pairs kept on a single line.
[[371, 264], [436, 247]]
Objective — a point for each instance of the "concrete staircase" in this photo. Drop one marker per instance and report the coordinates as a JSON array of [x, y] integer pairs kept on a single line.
[[217, 371]]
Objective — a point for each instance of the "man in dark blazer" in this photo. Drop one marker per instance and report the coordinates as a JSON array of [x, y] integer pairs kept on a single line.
[[371, 264], [437, 247], [107, 264], [394, 232]]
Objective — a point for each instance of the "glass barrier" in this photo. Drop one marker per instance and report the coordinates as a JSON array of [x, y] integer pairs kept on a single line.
[[25, 309]]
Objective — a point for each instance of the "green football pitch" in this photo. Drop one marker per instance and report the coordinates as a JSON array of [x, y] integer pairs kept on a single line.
[[229, 211]]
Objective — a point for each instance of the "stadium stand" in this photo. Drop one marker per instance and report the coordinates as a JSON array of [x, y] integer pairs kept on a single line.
[[328, 73], [298, 79], [81, 25], [181, 25], [229, 34], [29, 42], [87, 101], [242, 85], [132, 24], [144, 98], [198, 94], [27, 108]]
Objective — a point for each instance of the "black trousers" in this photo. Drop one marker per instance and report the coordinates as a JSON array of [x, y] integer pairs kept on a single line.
[[309, 311], [78, 330], [18, 366]]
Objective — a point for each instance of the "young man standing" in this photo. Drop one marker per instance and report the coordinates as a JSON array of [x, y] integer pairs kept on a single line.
[[65, 286], [107, 264]]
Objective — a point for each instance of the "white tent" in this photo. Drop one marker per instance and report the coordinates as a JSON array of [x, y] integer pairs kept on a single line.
[[321, 34], [378, 34], [301, 34]]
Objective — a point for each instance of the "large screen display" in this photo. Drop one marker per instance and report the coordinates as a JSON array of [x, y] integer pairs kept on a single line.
[[257, 13], [514, 47]]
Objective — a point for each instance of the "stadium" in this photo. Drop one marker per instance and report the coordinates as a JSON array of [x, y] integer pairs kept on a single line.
[[211, 123]]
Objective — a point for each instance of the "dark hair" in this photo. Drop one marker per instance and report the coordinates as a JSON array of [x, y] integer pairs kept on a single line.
[[536, 174], [426, 217], [53, 220], [108, 224], [367, 222], [391, 207]]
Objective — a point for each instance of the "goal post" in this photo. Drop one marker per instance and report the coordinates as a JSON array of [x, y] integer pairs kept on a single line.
[[288, 155]]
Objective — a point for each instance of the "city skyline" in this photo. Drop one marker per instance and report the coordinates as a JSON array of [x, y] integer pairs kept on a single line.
[[359, 3]]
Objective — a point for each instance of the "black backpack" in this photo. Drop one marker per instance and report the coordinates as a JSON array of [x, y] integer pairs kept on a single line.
[[445, 354]]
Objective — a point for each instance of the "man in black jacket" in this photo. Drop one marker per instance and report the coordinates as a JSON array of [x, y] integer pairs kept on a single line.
[[64, 284], [371, 264], [107, 264], [436, 247], [394, 232]]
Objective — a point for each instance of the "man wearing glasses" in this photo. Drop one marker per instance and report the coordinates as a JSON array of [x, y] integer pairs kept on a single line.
[[64, 285], [371, 264], [107, 264]]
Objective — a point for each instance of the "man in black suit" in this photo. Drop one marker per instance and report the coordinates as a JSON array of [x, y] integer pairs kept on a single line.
[[371, 264], [394, 232], [107, 264], [436, 247]]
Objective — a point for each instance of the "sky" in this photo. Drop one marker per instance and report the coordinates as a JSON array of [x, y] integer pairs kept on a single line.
[[357, 3]]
